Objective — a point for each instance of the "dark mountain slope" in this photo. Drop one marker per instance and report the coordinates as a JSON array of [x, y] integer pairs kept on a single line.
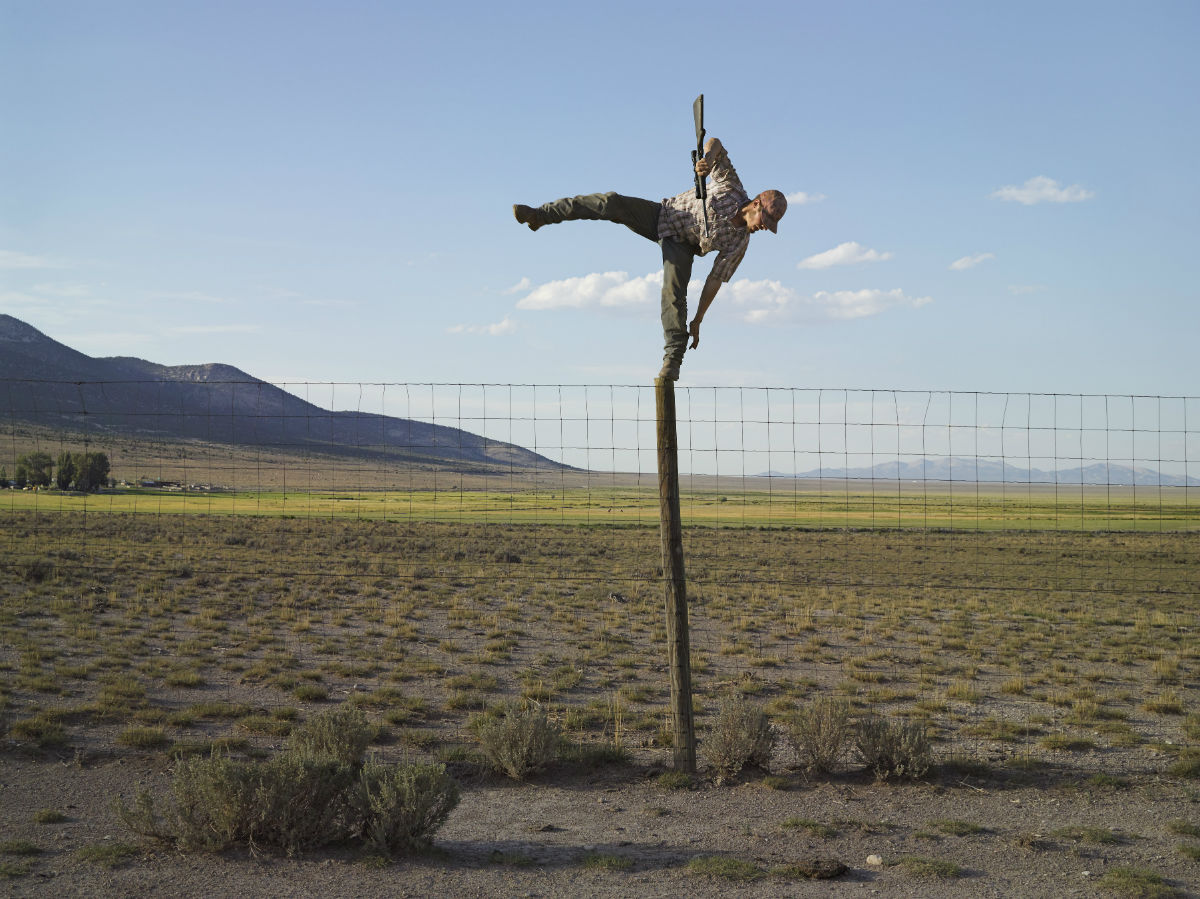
[[45, 382]]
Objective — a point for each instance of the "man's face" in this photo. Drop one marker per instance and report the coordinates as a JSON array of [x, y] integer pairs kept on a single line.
[[756, 218]]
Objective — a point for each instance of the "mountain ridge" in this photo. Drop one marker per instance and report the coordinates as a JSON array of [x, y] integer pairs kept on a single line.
[[45, 382], [959, 469]]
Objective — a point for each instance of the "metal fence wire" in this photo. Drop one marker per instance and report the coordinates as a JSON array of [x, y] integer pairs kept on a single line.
[[894, 545], [931, 464]]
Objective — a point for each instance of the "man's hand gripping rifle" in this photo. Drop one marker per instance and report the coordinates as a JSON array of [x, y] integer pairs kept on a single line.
[[697, 155]]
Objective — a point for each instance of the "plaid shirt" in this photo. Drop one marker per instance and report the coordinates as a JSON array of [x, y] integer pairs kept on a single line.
[[681, 218]]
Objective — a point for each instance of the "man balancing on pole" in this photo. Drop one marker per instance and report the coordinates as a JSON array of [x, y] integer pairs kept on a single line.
[[685, 226]]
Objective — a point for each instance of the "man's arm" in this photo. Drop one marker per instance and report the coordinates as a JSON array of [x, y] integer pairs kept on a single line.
[[707, 295]]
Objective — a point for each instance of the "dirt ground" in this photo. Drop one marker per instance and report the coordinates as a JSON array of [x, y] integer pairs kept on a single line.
[[1058, 705], [618, 832]]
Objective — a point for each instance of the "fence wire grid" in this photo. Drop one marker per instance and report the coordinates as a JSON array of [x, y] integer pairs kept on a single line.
[[919, 550]]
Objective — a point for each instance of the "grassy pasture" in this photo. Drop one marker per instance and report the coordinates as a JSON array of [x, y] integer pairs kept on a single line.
[[171, 633], [706, 502]]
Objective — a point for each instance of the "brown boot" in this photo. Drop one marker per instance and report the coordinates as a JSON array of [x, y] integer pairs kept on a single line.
[[670, 371], [527, 215]]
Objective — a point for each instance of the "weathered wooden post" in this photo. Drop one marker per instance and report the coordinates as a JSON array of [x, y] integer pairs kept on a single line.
[[678, 643]]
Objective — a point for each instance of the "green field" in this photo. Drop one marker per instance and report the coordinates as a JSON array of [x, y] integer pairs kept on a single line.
[[752, 502]]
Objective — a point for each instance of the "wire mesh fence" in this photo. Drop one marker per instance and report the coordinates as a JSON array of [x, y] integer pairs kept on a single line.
[[1016, 566]]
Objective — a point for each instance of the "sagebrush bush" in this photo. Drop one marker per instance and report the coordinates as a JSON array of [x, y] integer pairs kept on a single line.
[[400, 807], [297, 802], [35, 571], [316, 792], [519, 741], [209, 798], [342, 733], [894, 749], [820, 732], [740, 735]]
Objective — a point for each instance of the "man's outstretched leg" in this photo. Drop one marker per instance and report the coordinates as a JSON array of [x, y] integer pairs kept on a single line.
[[641, 217], [677, 271], [636, 214]]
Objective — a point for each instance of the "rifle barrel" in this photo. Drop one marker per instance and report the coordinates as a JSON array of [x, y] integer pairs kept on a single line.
[[697, 155]]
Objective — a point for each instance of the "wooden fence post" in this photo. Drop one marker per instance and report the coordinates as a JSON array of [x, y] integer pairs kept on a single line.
[[678, 643]]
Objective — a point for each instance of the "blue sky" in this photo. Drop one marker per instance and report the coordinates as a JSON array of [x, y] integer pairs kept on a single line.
[[991, 197]]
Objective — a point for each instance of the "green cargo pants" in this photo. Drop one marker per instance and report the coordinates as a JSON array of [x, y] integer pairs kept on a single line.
[[641, 217]]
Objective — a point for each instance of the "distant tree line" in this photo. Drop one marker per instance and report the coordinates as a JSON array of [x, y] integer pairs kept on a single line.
[[73, 471]]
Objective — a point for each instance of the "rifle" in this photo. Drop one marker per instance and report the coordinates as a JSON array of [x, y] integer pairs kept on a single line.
[[697, 155]]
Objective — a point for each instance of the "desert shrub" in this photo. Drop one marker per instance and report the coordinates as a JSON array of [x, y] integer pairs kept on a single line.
[[107, 855], [400, 807], [35, 571], [676, 780], [43, 729], [316, 792], [591, 755], [922, 868], [296, 801], [208, 800], [725, 867], [311, 693], [894, 750], [820, 732], [1138, 882], [740, 735], [342, 733], [140, 737], [1187, 765], [519, 741], [19, 847], [288, 803]]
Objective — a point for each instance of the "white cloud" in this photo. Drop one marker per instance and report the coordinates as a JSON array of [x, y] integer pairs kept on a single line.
[[14, 259], [849, 253], [966, 262], [851, 304], [506, 326], [802, 198], [523, 284], [596, 289], [1042, 190], [764, 302], [761, 300], [756, 302]]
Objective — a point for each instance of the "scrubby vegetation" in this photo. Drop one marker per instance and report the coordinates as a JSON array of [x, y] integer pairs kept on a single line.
[[1079, 642], [392, 660], [739, 736], [319, 790]]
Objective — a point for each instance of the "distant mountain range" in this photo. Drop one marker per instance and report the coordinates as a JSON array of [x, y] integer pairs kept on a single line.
[[968, 468], [46, 383]]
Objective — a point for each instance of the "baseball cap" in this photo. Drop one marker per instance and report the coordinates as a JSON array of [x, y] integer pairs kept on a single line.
[[774, 205]]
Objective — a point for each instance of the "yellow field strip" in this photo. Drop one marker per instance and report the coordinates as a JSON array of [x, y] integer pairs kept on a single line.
[[1080, 509]]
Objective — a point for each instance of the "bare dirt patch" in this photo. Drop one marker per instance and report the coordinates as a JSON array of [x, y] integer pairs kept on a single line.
[[618, 833]]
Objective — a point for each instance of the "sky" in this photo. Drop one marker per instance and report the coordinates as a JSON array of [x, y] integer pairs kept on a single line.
[[983, 197]]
